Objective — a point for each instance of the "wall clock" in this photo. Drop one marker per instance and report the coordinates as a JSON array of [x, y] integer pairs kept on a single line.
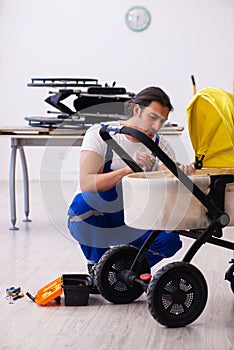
[[138, 18]]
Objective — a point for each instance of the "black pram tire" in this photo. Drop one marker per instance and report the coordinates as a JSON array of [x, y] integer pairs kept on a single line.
[[177, 294], [117, 259]]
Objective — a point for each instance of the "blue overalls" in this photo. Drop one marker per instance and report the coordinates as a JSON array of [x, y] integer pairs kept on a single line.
[[96, 221]]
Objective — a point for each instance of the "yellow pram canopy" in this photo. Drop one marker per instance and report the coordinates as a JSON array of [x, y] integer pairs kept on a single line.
[[211, 128]]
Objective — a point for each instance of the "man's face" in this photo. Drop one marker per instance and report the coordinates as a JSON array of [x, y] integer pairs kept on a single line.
[[150, 118]]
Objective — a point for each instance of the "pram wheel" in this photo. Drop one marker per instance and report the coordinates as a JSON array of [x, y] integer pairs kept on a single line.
[[114, 261], [229, 275], [177, 294]]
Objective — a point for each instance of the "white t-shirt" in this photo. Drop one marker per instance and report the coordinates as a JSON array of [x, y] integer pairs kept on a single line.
[[93, 142]]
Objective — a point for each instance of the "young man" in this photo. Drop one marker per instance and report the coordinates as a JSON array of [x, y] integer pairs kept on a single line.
[[96, 218]]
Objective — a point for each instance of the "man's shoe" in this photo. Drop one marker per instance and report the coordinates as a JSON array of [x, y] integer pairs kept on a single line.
[[92, 274]]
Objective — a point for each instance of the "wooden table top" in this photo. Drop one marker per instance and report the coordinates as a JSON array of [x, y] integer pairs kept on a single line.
[[43, 131], [31, 130]]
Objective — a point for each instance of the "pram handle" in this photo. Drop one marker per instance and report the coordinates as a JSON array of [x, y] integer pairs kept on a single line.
[[104, 133], [220, 217]]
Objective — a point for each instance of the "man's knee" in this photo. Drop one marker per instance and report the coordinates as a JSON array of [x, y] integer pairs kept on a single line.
[[167, 244]]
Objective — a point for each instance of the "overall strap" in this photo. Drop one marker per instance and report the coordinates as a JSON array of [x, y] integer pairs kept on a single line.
[[156, 143], [108, 160], [157, 139]]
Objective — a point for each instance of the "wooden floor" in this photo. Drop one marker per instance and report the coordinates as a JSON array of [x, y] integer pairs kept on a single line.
[[42, 250]]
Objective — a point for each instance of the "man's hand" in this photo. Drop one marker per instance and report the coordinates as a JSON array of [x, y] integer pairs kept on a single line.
[[187, 169], [144, 160]]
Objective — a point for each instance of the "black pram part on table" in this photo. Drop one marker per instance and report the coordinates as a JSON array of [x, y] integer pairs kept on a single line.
[[81, 102]]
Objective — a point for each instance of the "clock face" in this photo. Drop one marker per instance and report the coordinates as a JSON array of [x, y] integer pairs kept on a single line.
[[138, 18]]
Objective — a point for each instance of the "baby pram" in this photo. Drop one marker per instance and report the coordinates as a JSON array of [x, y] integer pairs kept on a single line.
[[177, 293]]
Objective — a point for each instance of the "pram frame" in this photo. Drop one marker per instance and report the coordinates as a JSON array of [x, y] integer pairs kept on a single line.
[[219, 219]]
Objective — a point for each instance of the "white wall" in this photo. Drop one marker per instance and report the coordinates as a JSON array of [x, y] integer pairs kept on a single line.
[[76, 38]]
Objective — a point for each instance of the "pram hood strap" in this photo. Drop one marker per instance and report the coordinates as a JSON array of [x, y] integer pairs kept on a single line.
[[104, 133]]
